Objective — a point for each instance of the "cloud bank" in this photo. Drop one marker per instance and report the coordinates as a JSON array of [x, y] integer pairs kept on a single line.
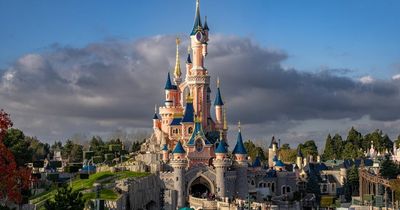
[[114, 84]]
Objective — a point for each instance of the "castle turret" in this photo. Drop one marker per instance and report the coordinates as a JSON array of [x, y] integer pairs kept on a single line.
[[169, 92], [218, 103], [179, 164], [272, 151], [299, 158], [221, 163], [241, 165], [156, 120], [165, 153]]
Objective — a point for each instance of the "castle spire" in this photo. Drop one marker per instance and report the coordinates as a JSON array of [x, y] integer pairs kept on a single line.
[[218, 99], [197, 19], [188, 60], [177, 70], [225, 121], [239, 147], [168, 84], [205, 24]]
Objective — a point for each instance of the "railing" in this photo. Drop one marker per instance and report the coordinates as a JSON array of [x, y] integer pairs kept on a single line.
[[204, 203]]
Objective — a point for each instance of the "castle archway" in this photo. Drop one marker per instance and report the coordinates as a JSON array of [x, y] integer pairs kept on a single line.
[[200, 187]]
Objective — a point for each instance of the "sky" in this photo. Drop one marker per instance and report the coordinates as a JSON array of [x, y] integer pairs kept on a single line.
[[295, 69]]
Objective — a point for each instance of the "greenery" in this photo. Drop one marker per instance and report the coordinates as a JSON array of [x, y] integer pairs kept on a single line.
[[287, 154], [355, 145], [309, 148], [84, 184], [389, 169], [253, 150], [64, 199], [351, 186]]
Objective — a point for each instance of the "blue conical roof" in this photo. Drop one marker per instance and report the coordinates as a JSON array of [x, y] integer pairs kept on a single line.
[[206, 25], [179, 149], [165, 147], [218, 99], [155, 117], [275, 158], [197, 19], [188, 116], [168, 84], [221, 148], [239, 147], [188, 60], [279, 163], [257, 162]]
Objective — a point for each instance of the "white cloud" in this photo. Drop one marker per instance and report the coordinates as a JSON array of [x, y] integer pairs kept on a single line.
[[367, 79], [396, 77]]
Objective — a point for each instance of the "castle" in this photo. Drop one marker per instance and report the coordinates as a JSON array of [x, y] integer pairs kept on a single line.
[[189, 147]]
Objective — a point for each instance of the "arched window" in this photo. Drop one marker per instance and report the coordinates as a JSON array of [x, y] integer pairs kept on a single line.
[[273, 187], [288, 189], [252, 182], [190, 130]]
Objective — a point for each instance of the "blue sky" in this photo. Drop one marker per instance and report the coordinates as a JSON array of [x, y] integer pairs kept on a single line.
[[360, 35]]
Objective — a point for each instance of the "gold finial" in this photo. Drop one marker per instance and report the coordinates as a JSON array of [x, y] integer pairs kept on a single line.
[[200, 118], [239, 127], [225, 121], [220, 135], [189, 97], [217, 82], [177, 71]]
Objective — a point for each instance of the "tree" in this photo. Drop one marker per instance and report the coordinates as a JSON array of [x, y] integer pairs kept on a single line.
[[39, 150], [351, 151], [352, 183], [253, 150], [329, 151], [309, 148], [72, 151], [15, 141], [13, 180], [65, 199], [288, 155], [397, 141], [389, 169]]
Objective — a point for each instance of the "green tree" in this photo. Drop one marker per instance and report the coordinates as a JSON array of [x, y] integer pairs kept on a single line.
[[351, 151], [397, 141], [65, 199], [39, 150], [389, 169], [253, 150], [354, 137], [351, 186], [329, 151], [309, 148], [15, 141], [72, 151], [288, 155]]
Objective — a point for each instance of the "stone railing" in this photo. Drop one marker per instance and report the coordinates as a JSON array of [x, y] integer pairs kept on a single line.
[[203, 203]]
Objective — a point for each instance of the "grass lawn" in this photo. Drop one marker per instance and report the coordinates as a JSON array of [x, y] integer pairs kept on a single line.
[[83, 184]]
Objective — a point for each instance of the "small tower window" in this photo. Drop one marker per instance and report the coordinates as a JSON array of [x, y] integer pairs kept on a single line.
[[190, 130]]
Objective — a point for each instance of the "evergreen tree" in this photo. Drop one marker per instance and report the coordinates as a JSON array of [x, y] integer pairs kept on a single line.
[[65, 199], [253, 150], [389, 169], [329, 150], [351, 186], [309, 148]]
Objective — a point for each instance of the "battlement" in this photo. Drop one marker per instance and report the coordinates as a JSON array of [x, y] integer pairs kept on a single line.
[[222, 162]]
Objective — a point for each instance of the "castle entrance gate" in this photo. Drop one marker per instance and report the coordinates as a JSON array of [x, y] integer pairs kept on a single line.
[[200, 187]]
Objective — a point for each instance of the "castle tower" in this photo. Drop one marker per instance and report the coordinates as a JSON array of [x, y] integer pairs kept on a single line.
[[179, 164], [198, 79], [241, 165], [165, 153], [156, 120], [272, 151], [218, 103], [221, 163], [299, 158]]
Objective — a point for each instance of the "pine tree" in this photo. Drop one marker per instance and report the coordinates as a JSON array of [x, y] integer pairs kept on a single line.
[[65, 199]]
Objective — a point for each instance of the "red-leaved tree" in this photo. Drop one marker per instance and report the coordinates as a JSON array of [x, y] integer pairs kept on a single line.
[[13, 180]]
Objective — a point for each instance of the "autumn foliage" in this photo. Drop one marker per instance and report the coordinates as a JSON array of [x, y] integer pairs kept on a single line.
[[13, 180]]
